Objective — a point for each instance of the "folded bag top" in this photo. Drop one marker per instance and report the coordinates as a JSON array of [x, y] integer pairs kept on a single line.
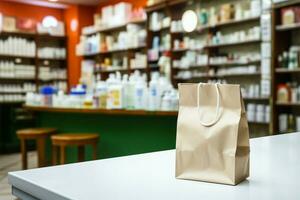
[[212, 134]]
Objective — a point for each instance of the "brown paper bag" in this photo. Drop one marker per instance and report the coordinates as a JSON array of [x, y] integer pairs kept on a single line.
[[212, 134]]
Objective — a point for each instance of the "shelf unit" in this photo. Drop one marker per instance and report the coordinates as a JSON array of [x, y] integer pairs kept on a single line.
[[40, 41], [175, 9], [52, 63], [283, 75], [99, 57]]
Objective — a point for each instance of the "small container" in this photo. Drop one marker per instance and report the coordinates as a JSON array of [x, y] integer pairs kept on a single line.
[[77, 98], [298, 124], [251, 116], [47, 95], [259, 117], [267, 114], [283, 93], [283, 123]]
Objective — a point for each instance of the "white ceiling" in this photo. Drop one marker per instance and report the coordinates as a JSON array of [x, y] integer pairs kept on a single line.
[[59, 3], [82, 2]]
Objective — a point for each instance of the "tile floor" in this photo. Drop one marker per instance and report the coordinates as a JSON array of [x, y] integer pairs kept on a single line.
[[12, 162]]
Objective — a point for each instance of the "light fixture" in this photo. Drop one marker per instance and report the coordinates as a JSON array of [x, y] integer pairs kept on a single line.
[[189, 20], [74, 25], [53, 0], [49, 21]]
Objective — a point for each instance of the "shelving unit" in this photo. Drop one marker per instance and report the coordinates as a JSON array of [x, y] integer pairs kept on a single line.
[[39, 41], [55, 63], [175, 9], [283, 75], [204, 71], [99, 57]]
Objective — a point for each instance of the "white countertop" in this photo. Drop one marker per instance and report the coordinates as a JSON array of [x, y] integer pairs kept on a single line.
[[274, 175]]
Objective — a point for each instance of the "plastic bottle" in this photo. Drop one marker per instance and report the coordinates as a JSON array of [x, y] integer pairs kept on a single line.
[[131, 92], [58, 100], [115, 93], [153, 95], [126, 88], [174, 100], [77, 96], [47, 95], [166, 104], [140, 94], [101, 95]]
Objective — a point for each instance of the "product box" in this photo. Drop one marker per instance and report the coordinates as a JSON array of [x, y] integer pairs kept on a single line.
[[107, 14], [97, 19], [9, 24], [227, 12], [26, 25], [122, 12], [59, 30], [288, 16]]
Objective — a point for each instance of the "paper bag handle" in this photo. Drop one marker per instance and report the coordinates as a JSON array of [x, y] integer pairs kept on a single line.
[[217, 109]]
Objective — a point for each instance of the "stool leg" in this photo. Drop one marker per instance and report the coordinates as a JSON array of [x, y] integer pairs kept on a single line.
[[41, 152], [62, 154], [95, 151], [54, 155], [80, 153], [23, 154]]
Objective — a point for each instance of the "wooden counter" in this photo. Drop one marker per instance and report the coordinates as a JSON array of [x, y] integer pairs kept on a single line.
[[101, 111], [122, 132]]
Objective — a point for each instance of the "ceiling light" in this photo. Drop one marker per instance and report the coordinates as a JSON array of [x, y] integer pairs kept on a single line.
[[53, 0], [189, 21], [49, 21]]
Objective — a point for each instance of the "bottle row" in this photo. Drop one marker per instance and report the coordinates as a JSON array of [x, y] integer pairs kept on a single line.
[[290, 59], [235, 37], [17, 46], [192, 59], [12, 70], [288, 93], [210, 16], [47, 73], [228, 71], [114, 16], [138, 61], [11, 98], [26, 87], [117, 92], [259, 113], [158, 21], [133, 37], [252, 91], [288, 123], [52, 52]]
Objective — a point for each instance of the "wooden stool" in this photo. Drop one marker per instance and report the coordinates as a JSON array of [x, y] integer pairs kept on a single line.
[[38, 134], [79, 140]]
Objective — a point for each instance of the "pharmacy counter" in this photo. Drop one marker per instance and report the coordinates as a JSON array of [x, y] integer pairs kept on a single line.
[[274, 175], [121, 132]]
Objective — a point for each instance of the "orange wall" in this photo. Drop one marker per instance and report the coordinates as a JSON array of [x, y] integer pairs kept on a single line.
[[83, 16], [29, 11]]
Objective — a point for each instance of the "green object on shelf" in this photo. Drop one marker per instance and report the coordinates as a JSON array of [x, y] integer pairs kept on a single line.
[[203, 17]]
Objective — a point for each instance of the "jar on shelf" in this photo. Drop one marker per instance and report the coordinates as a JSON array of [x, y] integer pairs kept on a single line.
[[47, 93]]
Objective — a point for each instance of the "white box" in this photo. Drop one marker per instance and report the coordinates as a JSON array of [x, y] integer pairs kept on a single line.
[[107, 14], [122, 11]]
